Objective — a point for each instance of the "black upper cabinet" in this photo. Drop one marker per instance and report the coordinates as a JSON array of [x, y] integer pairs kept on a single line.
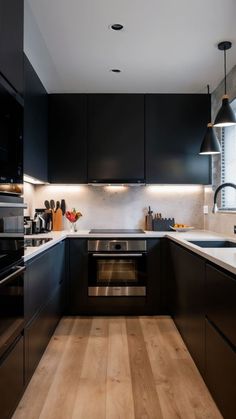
[[11, 42], [116, 138], [175, 126], [35, 125], [67, 138]]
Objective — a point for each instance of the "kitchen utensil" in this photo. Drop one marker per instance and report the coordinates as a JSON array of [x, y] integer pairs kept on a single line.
[[47, 205], [57, 206], [63, 206], [52, 204]]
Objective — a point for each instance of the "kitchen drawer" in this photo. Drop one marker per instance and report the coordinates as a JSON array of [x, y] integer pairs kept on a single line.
[[220, 373], [39, 332], [11, 379], [44, 275], [220, 301]]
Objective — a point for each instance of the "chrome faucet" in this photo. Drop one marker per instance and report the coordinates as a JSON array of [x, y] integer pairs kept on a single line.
[[224, 185]]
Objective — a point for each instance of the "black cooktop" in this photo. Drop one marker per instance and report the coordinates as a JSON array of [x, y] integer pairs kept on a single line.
[[116, 231]]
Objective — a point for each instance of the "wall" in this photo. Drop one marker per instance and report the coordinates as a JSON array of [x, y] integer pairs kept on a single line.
[[220, 222], [122, 207]]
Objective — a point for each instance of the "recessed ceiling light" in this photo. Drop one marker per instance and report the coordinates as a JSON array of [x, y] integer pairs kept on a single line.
[[115, 70], [116, 27]]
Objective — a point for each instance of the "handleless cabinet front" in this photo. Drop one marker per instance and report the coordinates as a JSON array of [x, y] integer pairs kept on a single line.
[[116, 138]]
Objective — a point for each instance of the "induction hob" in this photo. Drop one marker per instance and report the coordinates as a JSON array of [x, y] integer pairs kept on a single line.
[[116, 231]]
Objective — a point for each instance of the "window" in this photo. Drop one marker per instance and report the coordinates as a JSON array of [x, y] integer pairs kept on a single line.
[[228, 165]]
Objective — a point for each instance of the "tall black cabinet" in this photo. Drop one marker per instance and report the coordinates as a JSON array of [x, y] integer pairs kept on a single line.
[[175, 125], [35, 124], [11, 42], [68, 138], [116, 138]]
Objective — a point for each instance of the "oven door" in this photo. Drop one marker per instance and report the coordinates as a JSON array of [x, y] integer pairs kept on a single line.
[[117, 274]]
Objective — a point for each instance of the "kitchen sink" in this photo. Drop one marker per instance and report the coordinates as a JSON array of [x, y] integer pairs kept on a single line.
[[213, 243]]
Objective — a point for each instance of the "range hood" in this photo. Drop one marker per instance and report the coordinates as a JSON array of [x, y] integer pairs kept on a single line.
[[120, 182]]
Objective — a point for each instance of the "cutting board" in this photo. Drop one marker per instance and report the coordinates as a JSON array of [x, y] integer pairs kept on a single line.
[[57, 220]]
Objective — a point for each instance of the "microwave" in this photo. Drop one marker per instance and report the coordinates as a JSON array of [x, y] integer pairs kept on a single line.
[[11, 134]]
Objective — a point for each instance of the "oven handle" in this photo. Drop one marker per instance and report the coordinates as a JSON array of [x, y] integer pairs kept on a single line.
[[12, 205], [112, 255], [19, 270]]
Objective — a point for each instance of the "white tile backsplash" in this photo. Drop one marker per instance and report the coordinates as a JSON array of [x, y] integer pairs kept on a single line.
[[123, 207]]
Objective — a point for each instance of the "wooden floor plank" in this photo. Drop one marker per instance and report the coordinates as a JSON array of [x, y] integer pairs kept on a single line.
[[91, 393], [62, 394], [117, 368], [146, 403], [119, 403], [32, 403]]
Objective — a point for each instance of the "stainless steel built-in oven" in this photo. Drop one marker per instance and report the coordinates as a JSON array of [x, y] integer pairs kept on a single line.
[[117, 267]]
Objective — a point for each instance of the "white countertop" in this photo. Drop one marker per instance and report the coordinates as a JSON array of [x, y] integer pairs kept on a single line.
[[224, 257]]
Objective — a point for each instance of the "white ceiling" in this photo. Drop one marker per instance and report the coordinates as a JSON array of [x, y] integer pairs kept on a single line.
[[165, 46]]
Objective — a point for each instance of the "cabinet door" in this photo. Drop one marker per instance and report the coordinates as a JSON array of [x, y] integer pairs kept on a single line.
[[11, 42], [221, 371], [188, 301], [116, 138], [153, 297], [39, 332], [220, 301], [67, 138], [175, 126], [35, 125], [44, 274], [11, 379], [78, 281]]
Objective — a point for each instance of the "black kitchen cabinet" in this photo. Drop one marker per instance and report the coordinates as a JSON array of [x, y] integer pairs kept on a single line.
[[220, 301], [188, 308], [153, 297], [78, 276], [116, 138], [35, 124], [175, 125], [45, 291], [11, 42], [68, 138], [220, 373], [40, 330], [11, 378]]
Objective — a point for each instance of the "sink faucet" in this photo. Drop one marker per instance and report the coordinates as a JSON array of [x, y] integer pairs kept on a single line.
[[224, 185]]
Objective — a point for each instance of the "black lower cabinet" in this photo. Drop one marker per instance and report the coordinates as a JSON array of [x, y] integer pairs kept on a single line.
[[187, 297], [11, 378], [45, 291], [220, 375], [39, 332]]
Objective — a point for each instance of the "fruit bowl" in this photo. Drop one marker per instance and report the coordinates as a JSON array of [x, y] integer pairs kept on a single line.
[[182, 229]]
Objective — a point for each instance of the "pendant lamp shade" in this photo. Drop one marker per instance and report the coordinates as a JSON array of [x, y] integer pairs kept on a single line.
[[210, 144], [225, 116]]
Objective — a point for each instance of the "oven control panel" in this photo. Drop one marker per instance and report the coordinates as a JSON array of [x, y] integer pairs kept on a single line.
[[117, 245]]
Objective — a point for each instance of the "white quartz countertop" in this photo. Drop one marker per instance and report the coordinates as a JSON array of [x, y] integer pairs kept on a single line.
[[223, 257]]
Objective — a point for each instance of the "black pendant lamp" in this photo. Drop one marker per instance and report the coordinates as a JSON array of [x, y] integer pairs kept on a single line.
[[210, 143], [225, 116]]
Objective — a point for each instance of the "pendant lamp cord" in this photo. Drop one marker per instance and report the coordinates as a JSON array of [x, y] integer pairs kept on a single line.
[[208, 92], [225, 68]]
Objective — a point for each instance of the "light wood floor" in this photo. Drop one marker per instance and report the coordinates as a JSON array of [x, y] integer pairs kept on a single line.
[[116, 368]]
